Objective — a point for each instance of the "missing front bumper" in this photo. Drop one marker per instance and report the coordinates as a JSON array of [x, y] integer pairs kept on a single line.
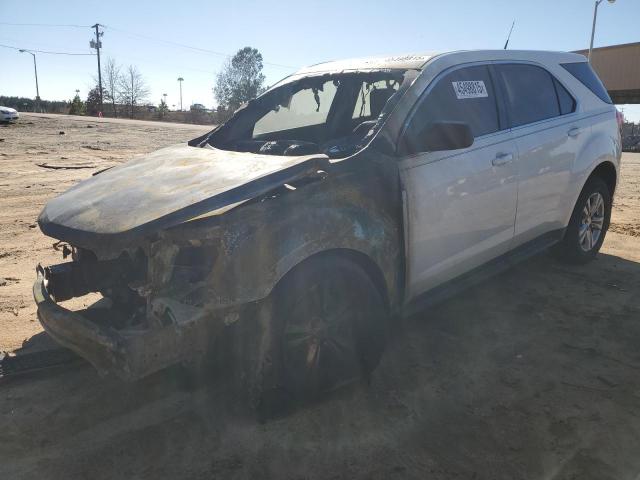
[[129, 354]]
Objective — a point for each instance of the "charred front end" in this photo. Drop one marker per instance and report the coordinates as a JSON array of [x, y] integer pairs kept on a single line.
[[87, 274], [184, 241], [144, 320]]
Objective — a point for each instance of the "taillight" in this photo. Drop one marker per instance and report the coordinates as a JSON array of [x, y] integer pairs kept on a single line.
[[620, 119]]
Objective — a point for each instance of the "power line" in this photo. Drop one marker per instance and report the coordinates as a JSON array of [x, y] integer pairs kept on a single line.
[[44, 25], [168, 42], [189, 47], [45, 51], [146, 61]]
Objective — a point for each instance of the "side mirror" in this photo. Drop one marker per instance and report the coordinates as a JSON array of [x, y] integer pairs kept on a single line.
[[437, 136]]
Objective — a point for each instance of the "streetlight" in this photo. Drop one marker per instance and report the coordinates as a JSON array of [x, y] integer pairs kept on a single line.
[[180, 79], [35, 69], [593, 28], [163, 104]]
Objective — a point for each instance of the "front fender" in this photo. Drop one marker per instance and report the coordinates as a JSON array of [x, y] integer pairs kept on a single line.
[[265, 256], [259, 242]]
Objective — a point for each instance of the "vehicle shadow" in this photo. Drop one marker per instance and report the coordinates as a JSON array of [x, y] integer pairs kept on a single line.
[[532, 374]]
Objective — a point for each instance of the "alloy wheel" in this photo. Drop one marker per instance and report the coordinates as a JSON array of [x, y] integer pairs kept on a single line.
[[592, 222], [319, 344]]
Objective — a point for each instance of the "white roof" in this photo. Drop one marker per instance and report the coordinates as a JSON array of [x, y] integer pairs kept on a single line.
[[401, 62], [418, 60]]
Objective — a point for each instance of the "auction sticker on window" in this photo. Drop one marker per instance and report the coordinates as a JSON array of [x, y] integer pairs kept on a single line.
[[470, 89]]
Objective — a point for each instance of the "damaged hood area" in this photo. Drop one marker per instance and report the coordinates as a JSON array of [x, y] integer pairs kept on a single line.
[[166, 188]]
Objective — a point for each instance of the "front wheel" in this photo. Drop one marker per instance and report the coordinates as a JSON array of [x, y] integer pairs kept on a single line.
[[333, 320], [323, 326], [328, 328], [589, 223]]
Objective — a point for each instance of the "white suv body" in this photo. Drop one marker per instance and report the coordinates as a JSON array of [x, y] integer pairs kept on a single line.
[[518, 182], [348, 191]]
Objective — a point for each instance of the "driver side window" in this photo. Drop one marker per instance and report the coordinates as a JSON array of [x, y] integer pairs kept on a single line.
[[464, 95]]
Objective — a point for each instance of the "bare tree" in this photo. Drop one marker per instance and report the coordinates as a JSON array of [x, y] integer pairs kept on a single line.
[[110, 79], [132, 88]]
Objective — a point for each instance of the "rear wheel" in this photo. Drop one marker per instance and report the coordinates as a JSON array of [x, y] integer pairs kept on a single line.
[[589, 223]]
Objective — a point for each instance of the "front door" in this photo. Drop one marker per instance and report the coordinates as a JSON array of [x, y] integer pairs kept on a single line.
[[460, 205]]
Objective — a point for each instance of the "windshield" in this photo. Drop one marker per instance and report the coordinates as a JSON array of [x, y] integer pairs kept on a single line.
[[331, 114], [306, 107]]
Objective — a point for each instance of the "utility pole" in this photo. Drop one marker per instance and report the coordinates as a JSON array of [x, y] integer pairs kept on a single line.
[[36, 105], [97, 44], [180, 79]]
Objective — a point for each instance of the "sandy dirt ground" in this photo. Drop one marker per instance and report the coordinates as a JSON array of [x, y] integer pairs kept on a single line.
[[533, 374], [57, 141]]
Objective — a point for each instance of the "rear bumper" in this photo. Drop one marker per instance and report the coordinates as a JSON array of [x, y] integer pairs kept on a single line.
[[130, 354]]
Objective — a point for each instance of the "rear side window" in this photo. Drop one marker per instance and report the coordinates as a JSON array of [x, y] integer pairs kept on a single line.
[[464, 95], [530, 93], [565, 100], [585, 74]]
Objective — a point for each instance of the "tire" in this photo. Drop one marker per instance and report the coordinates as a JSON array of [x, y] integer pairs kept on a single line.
[[333, 326], [327, 329], [588, 225], [256, 352]]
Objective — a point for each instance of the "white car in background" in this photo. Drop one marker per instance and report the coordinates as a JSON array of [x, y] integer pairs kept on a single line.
[[8, 114]]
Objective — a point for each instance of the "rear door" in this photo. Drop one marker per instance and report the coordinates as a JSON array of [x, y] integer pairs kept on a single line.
[[548, 134], [459, 205]]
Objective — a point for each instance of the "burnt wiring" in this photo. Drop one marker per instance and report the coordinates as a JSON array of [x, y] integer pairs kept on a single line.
[[63, 247]]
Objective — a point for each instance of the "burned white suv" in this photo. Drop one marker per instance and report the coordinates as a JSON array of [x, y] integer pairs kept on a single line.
[[348, 193]]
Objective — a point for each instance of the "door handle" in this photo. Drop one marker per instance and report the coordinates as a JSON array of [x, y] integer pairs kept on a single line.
[[502, 159], [574, 132]]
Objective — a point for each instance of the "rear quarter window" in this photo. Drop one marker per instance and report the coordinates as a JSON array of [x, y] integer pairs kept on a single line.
[[565, 100], [585, 74]]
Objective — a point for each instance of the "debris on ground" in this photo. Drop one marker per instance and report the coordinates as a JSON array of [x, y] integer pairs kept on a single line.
[[66, 167]]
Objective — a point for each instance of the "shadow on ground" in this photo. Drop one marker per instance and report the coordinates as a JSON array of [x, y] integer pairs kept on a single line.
[[533, 374]]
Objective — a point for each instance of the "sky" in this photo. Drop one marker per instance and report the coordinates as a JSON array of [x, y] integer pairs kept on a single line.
[[289, 34]]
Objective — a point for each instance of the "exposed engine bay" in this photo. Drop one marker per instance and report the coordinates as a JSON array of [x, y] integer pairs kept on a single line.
[[330, 114], [149, 293]]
